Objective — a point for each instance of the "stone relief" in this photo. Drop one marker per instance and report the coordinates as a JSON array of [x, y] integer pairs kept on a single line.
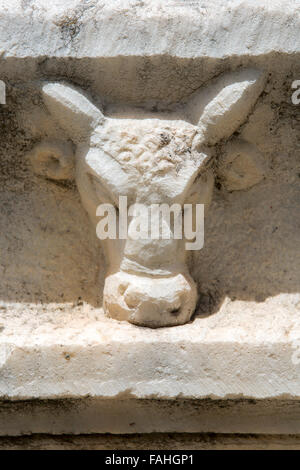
[[151, 158]]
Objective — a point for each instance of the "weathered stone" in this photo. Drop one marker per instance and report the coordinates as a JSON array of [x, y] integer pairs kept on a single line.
[[153, 160]]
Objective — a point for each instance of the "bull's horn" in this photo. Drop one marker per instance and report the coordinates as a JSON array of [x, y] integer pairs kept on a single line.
[[75, 113], [220, 108]]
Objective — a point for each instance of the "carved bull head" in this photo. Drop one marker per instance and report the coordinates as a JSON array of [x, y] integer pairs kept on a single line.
[[150, 158]]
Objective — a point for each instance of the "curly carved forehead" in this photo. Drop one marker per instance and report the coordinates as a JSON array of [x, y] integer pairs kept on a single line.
[[150, 145]]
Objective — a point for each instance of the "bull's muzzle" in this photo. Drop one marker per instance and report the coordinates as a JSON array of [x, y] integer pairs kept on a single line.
[[150, 301]]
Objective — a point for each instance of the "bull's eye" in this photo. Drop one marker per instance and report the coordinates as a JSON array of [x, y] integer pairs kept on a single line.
[[102, 194], [193, 194], [201, 190]]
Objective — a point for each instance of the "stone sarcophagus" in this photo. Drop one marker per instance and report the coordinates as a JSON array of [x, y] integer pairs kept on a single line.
[[154, 158]]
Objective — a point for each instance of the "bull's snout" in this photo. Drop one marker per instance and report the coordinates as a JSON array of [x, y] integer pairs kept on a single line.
[[147, 301]]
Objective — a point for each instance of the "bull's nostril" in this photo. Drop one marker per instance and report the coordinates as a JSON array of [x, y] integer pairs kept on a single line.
[[132, 299], [175, 311], [122, 288]]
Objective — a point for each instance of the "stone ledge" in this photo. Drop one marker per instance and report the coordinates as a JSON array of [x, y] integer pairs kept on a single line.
[[221, 356], [157, 441], [102, 29], [121, 416]]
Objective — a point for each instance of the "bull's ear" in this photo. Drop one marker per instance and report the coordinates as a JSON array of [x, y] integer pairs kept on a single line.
[[53, 159], [220, 108], [240, 166], [73, 111]]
